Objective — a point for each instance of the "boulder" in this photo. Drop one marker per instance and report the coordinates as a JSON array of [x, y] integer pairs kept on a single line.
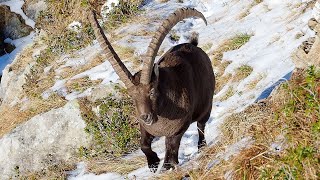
[[5, 47], [32, 8], [11, 89], [45, 140], [308, 53], [12, 25]]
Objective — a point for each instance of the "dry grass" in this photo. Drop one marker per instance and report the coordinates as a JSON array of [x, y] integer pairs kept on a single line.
[[246, 12], [142, 32], [220, 65], [121, 165], [233, 43], [221, 81], [254, 83], [11, 117], [163, 1], [58, 40], [69, 72], [81, 84], [127, 54], [241, 73], [57, 171], [24, 59], [206, 47], [230, 92]]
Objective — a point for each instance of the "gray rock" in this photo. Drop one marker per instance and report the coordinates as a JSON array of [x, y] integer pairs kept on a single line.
[[11, 89], [12, 25], [44, 140], [32, 8]]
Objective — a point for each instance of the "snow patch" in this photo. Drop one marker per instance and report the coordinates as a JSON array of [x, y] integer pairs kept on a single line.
[[19, 44], [107, 7], [75, 26]]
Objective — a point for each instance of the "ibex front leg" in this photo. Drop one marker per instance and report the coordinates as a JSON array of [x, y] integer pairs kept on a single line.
[[172, 150], [152, 158]]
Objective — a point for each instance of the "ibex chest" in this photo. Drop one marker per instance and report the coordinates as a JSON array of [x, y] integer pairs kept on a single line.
[[166, 127]]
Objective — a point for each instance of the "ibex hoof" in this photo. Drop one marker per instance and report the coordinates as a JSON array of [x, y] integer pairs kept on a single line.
[[147, 119], [169, 166], [153, 167], [149, 123]]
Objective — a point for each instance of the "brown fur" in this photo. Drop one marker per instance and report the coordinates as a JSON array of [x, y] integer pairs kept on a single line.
[[184, 91]]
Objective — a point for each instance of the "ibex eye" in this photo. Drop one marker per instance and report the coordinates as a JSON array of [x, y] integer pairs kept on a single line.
[[152, 92]]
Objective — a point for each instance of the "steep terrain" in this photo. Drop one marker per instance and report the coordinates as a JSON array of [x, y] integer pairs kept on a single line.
[[254, 46]]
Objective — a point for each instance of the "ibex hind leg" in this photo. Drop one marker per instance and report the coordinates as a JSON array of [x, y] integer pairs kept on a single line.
[[152, 158], [201, 123]]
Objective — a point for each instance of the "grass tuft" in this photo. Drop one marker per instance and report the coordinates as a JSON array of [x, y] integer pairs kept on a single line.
[[122, 13], [231, 44], [230, 92], [242, 72]]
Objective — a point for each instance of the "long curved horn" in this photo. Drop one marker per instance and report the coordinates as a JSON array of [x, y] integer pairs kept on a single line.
[[158, 38], [117, 64]]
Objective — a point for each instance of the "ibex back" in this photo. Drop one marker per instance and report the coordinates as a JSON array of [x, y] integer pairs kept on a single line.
[[170, 94]]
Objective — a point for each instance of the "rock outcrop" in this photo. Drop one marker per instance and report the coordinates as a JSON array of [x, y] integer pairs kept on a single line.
[[44, 140], [308, 53], [5, 47], [12, 25], [32, 8]]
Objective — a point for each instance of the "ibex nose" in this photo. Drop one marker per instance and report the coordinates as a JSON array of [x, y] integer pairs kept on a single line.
[[147, 119], [144, 117]]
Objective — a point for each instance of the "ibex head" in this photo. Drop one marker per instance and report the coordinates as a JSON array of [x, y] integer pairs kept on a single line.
[[145, 97], [143, 86]]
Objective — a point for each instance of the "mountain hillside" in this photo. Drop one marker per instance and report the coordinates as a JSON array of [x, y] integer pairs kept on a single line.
[[64, 113]]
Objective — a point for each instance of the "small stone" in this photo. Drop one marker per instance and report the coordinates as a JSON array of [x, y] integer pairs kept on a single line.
[[312, 23]]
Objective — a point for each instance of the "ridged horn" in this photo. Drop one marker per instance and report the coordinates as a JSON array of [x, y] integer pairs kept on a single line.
[[113, 58], [159, 36]]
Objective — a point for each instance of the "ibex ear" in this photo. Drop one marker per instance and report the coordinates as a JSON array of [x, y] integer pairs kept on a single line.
[[156, 75], [156, 70]]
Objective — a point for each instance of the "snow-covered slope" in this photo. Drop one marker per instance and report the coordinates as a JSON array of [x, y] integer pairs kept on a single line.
[[274, 26]]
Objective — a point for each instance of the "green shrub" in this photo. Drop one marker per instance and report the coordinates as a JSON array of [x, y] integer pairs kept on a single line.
[[113, 130], [55, 20], [122, 13], [238, 41]]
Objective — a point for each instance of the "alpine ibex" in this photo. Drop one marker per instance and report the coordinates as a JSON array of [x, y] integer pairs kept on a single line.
[[170, 94]]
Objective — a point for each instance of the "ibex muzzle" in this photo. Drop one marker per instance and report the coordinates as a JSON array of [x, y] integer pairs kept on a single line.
[[170, 94], [144, 111]]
